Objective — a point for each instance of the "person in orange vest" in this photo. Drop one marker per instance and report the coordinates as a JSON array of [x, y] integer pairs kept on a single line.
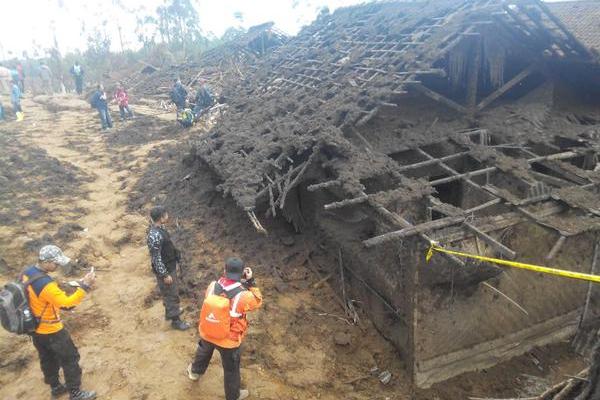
[[223, 324], [51, 340]]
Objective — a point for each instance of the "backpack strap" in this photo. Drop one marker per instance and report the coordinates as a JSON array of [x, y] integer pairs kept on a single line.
[[32, 279], [233, 293]]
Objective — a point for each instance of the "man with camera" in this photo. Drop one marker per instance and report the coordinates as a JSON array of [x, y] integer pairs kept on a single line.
[[223, 324]]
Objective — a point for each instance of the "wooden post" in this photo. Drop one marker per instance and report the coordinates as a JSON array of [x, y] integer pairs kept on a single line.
[[473, 79]]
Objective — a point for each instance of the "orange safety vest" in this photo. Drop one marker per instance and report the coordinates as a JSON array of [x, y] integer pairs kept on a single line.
[[223, 319], [46, 306]]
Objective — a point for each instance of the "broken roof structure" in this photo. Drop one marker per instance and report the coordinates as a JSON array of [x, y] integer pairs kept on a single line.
[[225, 61], [390, 126]]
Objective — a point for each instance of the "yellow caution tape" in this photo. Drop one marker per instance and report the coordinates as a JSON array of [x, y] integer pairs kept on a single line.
[[513, 264]]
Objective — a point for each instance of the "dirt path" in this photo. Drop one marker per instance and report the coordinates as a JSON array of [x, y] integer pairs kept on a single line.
[[128, 351]]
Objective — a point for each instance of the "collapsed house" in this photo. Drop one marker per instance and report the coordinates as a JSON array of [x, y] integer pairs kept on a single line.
[[223, 62], [391, 126]]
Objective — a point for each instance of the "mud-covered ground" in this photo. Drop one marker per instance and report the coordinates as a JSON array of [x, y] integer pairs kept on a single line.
[[90, 192]]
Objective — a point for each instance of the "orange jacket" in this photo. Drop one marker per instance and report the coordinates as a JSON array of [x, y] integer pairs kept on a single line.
[[47, 304], [249, 300]]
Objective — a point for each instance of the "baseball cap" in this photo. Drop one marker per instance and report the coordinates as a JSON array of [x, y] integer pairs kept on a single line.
[[54, 254], [234, 268]]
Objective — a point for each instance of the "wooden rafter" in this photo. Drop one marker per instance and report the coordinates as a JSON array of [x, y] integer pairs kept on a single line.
[[438, 97], [506, 87]]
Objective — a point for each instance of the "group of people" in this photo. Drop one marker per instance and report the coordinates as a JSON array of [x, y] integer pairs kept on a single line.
[[222, 324], [203, 100], [17, 85], [99, 101]]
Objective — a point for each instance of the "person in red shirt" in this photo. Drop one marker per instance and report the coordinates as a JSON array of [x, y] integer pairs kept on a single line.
[[122, 99], [238, 286]]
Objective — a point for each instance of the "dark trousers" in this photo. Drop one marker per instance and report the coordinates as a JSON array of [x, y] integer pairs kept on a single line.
[[125, 111], [56, 351], [79, 84], [170, 297], [179, 107], [105, 118], [17, 107], [230, 359]]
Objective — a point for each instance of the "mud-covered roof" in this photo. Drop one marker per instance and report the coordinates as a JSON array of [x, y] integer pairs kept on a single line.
[[582, 18], [313, 94]]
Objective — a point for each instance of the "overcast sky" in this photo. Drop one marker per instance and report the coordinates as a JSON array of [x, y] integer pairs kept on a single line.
[[26, 24], [29, 24]]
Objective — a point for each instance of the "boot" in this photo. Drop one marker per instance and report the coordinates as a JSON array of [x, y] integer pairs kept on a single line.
[[58, 390], [180, 325], [82, 395], [20, 116], [244, 394]]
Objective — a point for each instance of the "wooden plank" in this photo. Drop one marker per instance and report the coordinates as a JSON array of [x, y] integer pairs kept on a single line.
[[506, 87]]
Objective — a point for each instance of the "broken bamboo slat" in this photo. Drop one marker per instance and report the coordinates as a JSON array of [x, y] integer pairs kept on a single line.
[[506, 297], [590, 287], [348, 202], [463, 175], [323, 185], [432, 161], [500, 248], [291, 185], [256, 222], [413, 230], [397, 220], [556, 248]]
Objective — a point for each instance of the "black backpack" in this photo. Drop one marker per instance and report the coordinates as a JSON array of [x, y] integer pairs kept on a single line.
[[15, 314]]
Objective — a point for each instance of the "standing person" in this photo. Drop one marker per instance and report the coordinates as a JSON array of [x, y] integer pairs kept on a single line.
[[77, 72], [99, 102], [122, 100], [15, 99], [1, 111], [179, 95], [164, 257], [223, 324], [204, 99], [21, 76], [46, 78], [51, 340]]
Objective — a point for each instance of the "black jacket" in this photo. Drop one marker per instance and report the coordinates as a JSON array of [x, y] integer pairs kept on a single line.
[[163, 253]]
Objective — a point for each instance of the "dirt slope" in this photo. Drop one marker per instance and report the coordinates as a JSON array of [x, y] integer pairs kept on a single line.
[[90, 192]]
